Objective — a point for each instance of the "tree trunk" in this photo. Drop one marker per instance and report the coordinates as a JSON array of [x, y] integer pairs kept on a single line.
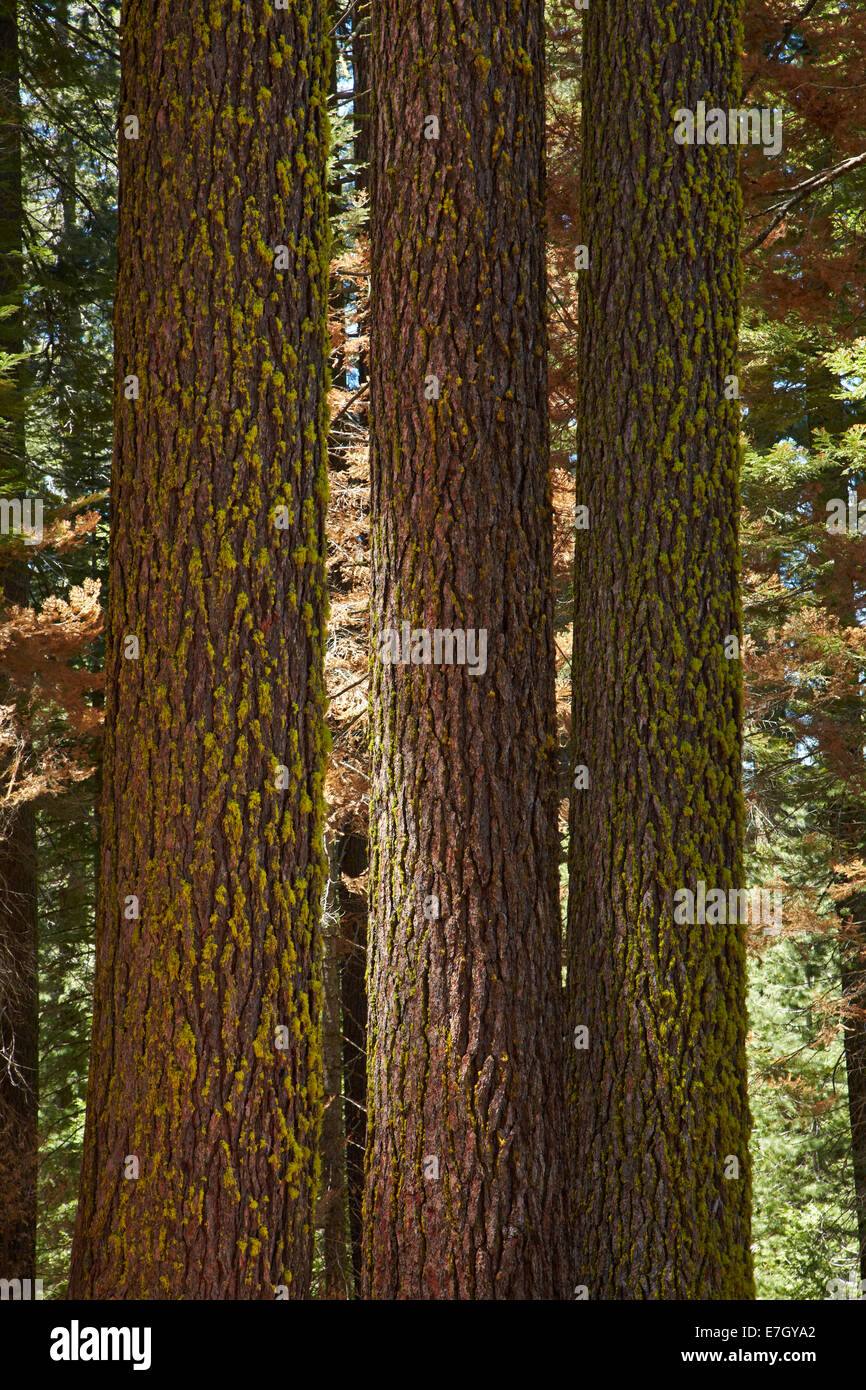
[[361, 100], [465, 1170], [841, 743], [332, 1202], [658, 1079], [354, 858], [19, 1091], [206, 1071], [854, 993], [19, 987], [353, 989]]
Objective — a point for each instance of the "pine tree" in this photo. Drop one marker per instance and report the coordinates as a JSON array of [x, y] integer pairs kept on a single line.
[[199, 1171], [465, 1171], [657, 1007]]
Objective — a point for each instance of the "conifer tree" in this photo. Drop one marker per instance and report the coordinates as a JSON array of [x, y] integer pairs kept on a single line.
[[656, 1006], [200, 1169], [465, 1167]]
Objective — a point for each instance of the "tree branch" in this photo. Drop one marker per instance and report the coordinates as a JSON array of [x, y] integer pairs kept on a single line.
[[801, 191]]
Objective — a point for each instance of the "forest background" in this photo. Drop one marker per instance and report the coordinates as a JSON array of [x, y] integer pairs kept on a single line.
[[803, 404]]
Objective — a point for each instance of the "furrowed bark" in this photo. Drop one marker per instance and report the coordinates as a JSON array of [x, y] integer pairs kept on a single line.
[[212, 808], [332, 1218], [660, 1113], [465, 1169], [353, 987]]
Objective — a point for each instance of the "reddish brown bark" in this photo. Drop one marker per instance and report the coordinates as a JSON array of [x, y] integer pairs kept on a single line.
[[465, 1168], [660, 1107], [200, 1171]]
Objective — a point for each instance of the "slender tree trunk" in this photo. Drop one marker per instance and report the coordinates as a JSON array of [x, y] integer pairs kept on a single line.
[[68, 161], [19, 1093], [361, 99], [361, 105], [19, 988], [854, 993], [332, 1202], [841, 743], [465, 1170], [657, 1008], [200, 1170], [354, 858], [353, 989]]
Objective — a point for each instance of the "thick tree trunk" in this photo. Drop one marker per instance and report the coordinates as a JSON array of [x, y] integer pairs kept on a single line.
[[19, 991], [206, 1073], [465, 1169], [658, 1080]]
